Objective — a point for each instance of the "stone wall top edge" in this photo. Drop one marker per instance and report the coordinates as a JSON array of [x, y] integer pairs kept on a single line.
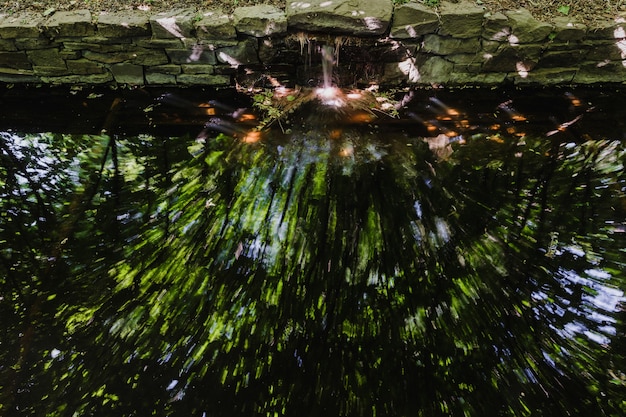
[[520, 18]]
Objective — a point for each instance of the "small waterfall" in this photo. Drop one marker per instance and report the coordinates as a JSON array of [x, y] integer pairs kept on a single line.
[[328, 52]]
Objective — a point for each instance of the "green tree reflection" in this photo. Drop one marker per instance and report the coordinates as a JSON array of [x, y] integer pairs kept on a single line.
[[313, 276]]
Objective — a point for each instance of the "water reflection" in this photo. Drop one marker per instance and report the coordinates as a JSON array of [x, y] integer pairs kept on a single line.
[[351, 270]]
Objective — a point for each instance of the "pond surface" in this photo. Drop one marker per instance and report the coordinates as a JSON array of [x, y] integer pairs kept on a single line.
[[465, 258]]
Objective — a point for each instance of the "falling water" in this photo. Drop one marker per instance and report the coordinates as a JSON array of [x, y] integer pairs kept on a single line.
[[327, 64]]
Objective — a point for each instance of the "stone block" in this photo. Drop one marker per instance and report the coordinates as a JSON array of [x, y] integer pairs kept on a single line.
[[164, 69], [15, 60], [8, 45], [602, 50], [491, 47], [177, 23], [465, 78], [94, 47], [84, 66], [79, 79], [215, 25], [8, 77], [197, 69], [124, 23], [508, 58], [380, 53], [127, 74], [211, 44], [197, 54], [354, 17], [564, 58], [76, 23], [412, 20], [203, 79], [65, 55], [566, 29], [435, 70], [153, 43], [35, 43], [20, 25], [496, 27], [224, 70], [445, 45], [461, 20], [607, 68], [43, 70], [243, 53], [260, 20], [101, 40], [157, 78], [544, 76], [142, 56], [401, 73], [107, 57], [606, 29], [138, 56], [46, 57], [525, 28]]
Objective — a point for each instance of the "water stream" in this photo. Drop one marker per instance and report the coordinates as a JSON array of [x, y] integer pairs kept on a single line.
[[463, 258]]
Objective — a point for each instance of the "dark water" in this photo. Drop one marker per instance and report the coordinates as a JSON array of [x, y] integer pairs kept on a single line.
[[466, 259]]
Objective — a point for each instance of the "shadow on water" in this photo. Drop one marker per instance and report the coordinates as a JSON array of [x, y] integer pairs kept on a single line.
[[466, 259]]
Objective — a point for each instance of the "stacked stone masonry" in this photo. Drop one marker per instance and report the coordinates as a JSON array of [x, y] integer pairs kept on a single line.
[[375, 43]]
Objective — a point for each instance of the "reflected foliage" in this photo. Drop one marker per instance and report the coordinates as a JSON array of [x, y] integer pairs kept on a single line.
[[310, 275]]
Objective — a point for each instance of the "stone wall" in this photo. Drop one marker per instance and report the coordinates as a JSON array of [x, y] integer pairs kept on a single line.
[[411, 44]]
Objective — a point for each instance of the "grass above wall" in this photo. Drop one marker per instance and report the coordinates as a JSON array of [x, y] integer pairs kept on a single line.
[[583, 10]]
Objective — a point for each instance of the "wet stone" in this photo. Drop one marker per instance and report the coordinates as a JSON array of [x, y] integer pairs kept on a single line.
[[199, 79], [79, 79], [128, 74]]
